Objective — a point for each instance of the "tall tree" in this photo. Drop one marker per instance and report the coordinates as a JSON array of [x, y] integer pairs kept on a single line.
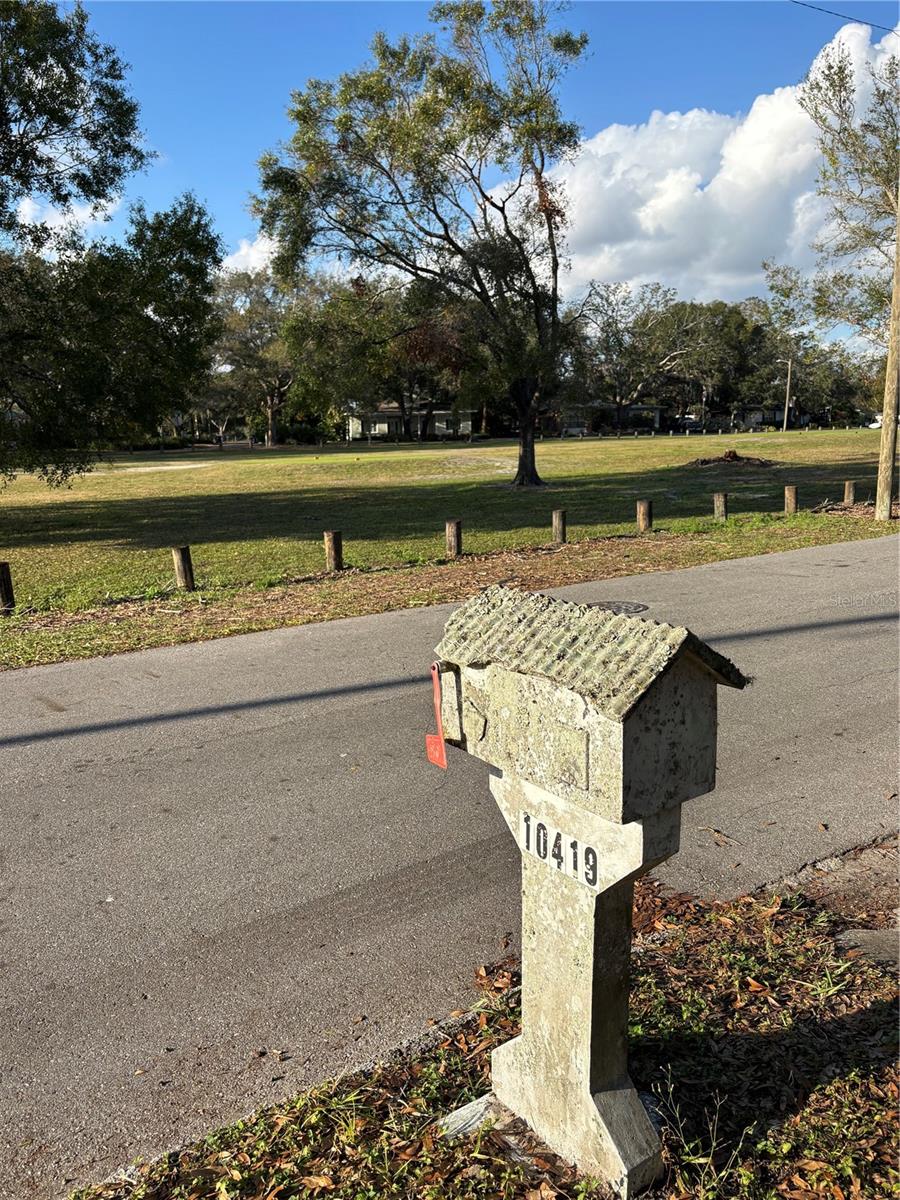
[[68, 126], [858, 278], [635, 338], [95, 342], [251, 349], [434, 163], [364, 343]]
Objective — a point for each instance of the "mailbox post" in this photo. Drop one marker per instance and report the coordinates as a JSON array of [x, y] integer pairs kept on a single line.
[[597, 727]]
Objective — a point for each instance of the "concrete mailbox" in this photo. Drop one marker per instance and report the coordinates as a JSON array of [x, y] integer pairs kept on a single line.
[[598, 727]]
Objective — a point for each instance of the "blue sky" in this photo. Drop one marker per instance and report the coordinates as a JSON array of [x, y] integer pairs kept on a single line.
[[213, 79]]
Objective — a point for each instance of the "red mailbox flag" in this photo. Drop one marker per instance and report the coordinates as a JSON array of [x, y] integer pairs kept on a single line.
[[435, 746]]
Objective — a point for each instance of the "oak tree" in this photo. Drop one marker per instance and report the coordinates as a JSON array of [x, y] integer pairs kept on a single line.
[[68, 125], [434, 163], [96, 342]]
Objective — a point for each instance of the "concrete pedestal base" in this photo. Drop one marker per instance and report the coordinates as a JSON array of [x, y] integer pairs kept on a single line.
[[626, 1127], [607, 1134]]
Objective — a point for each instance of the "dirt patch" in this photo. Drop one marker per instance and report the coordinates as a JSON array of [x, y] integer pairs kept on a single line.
[[164, 467], [859, 888], [731, 458]]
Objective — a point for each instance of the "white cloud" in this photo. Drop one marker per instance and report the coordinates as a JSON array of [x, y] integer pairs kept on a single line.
[[698, 199], [86, 218], [250, 256]]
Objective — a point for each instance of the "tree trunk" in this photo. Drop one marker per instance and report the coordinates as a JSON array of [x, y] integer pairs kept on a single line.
[[425, 421], [886, 459], [484, 419], [523, 394], [270, 422], [405, 417]]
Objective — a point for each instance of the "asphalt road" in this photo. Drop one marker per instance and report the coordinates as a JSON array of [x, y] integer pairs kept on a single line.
[[209, 851]]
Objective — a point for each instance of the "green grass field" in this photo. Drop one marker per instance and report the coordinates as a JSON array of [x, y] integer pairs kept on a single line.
[[255, 520]]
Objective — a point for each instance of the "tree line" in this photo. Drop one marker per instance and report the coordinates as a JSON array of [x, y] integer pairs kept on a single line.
[[300, 365], [420, 262]]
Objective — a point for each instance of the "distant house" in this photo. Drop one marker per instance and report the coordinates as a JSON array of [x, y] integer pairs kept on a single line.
[[753, 416], [387, 422], [761, 415], [637, 415]]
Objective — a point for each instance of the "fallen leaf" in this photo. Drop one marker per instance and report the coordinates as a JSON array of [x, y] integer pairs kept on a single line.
[[318, 1182]]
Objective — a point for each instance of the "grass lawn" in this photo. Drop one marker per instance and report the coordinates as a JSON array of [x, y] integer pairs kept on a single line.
[[93, 573], [770, 1055]]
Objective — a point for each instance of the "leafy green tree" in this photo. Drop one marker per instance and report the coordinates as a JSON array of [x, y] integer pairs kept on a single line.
[[728, 348], [95, 342], [634, 339], [251, 349], [218, 404], [335, 338], [433, 352], [433, 163], [857, 282], [859, 178], [371, 342], [68, 127]]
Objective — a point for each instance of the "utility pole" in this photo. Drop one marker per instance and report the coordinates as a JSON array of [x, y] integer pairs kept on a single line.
[[886, 458], [787, 393]]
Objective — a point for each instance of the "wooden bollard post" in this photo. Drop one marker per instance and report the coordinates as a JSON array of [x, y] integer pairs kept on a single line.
[[849, 492], [559, 525], [7, 596], [184, 568], [644, 515], [453, 533], [334, 550], [720, 506], [790, 499]]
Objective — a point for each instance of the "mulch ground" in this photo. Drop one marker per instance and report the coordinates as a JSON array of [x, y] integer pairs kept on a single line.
[[769, 1054]]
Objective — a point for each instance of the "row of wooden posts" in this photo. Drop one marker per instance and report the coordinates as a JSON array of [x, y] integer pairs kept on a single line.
[[334, 542]]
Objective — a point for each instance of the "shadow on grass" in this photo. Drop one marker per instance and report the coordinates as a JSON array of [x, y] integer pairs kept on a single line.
[[762, 1077], [376, 512]]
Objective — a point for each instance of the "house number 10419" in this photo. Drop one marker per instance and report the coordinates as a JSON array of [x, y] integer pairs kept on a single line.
[[559, 850]]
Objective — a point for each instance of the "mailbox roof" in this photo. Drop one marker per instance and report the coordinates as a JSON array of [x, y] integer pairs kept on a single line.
[[605, 656]]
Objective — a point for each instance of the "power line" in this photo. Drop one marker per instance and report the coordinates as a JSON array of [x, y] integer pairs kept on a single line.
[[844, 16]]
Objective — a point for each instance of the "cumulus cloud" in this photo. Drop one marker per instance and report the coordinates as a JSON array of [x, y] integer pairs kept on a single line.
[[698, 199], [250, 256]]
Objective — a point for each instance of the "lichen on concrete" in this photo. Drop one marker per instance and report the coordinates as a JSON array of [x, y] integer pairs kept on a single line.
[[607, 656]]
